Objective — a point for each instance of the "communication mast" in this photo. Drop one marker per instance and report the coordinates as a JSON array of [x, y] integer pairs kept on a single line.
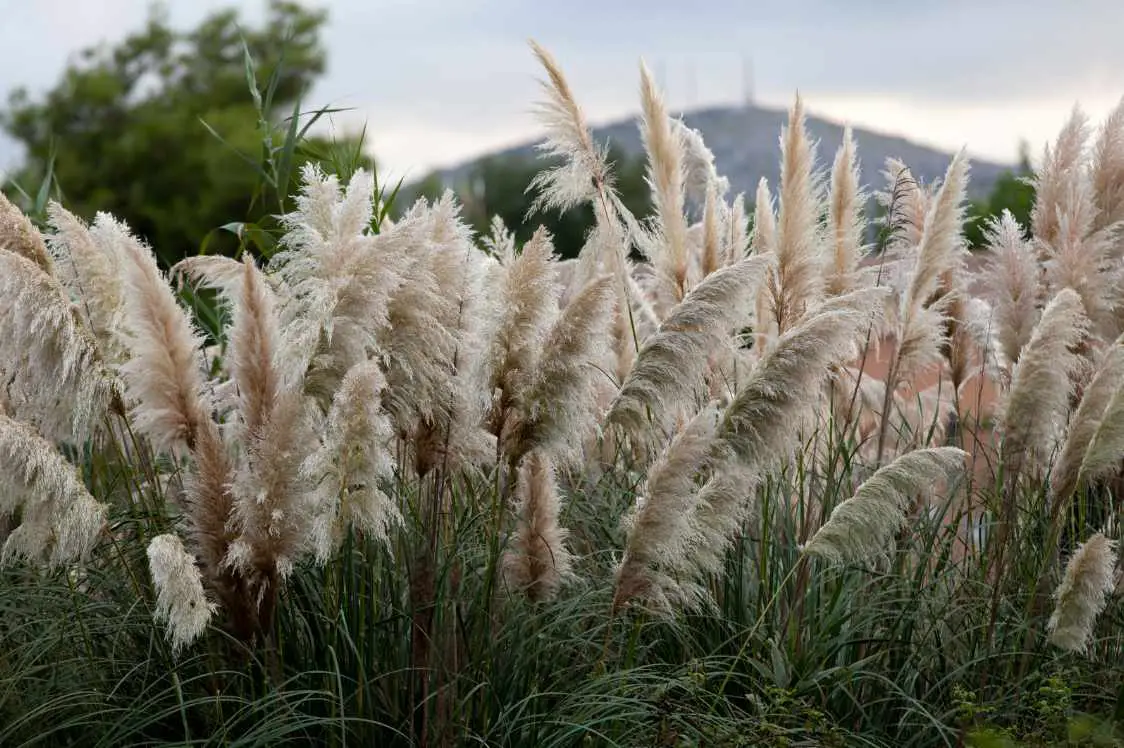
[[748, 91]]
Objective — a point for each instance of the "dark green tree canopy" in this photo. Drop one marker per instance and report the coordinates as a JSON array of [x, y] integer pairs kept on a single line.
[[123, 130]]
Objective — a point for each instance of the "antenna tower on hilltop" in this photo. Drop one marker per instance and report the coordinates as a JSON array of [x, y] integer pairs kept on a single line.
[[748, 91]]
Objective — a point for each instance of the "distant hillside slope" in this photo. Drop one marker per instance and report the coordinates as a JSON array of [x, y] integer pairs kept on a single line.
[[745, 141]]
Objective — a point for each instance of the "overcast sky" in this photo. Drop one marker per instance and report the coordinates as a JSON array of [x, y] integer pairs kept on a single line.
[[439, 81]]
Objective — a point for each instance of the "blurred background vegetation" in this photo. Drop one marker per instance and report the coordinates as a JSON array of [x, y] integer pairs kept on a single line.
[[195, 138]]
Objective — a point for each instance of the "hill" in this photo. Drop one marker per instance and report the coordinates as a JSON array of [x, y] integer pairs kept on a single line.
[[745, 143]]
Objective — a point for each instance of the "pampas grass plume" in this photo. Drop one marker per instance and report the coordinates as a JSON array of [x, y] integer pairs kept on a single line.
[[60, 519], [670, 367], [659, 525], [162, 374], [862, 526], [1037, 403], [540, 560], [584, 172], [180, 599], [1089, 577], [558, 407], [666, 177], [19, 235], [1012, 276], [1102, 391], [846, 219]]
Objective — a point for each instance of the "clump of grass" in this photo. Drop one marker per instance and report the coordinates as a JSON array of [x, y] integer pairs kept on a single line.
[[417, 489]]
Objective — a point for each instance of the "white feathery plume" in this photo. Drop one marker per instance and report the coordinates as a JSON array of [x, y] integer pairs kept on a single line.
[[539, 561], [1081, 596], [180, 600], [666, 174], [1108, 171], [339, 277], [19, 235], [270, 515], [659, 527], [583, 174], [1057, 185], [60, 519], [605, 252], [1106, 447], [671, 366], [89, 263], [1012, 276], [921, 313], [421, 341], [252, 349], [1102, 391], [711, 255], [796, 282], [846, 219], [348, 465], [54, 375], [437, 372], [698, 160], [862, 527], [764, 220], [941, 247], [762, 422], [163, 376], [764, 242], [528, 293], [559, 405], [500, 242], [723, 504], [906, 203], [1036, 406], [1081, 258], [737, 240], [213, 271]]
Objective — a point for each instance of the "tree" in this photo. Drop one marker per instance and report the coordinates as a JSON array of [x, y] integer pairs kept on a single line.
[[151, 129]]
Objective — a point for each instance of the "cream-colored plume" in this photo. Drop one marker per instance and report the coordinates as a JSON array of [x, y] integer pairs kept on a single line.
[[1013, 277], [339, 278], [528, 305], [670, 369], [846, 216], [60, 520], [1058, 184], [539, 561], [18, 234], [863, 526], [560, 405], [1034, 411], [659, 525], [163, 376], [351, 461], [1081, 596], [1108, 170], [1085, 426], [583, 175], [666, 173], [180, 599], [796, 282], [53, 372]]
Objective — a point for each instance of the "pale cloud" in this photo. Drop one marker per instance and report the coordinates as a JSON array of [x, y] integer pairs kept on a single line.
[[439, 81]]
